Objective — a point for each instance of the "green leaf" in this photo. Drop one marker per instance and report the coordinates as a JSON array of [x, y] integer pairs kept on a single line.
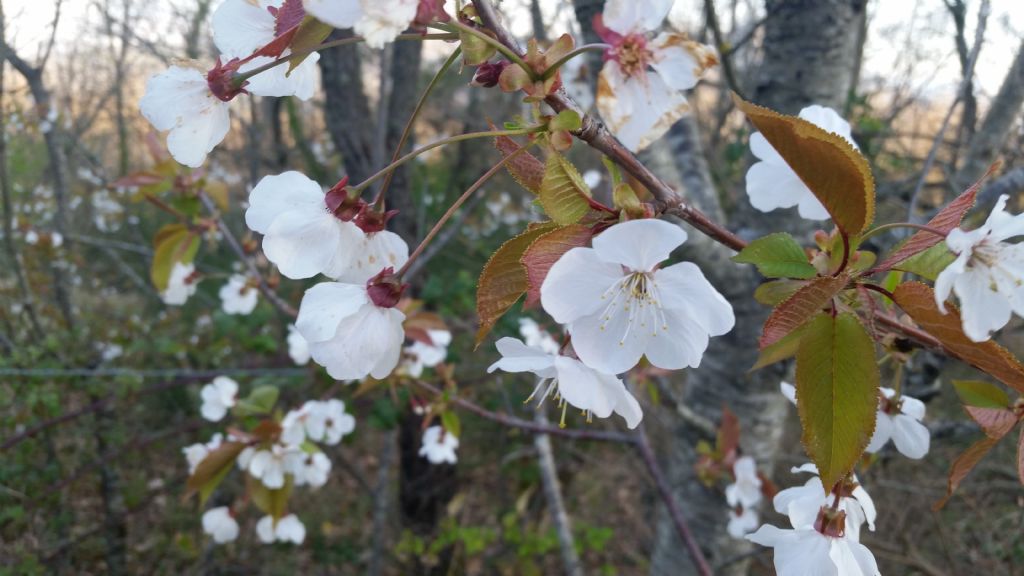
[[213, 468], [777, 291], [625, 198], [800, 307], [309, 35], [928, 263], [613, 170], [272, 502], [837, 393], [503, 280], [777, 256], [981, 394], [451, 423], [566, 120], [781, 350], [259, 402], [563, 193], [831, 168], [172, 244]]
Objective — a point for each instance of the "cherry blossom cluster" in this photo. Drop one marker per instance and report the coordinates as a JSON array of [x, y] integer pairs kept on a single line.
[[279, 453]]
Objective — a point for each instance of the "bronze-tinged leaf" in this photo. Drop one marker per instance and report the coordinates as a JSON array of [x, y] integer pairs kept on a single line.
[[837, 393], [503, 280], [918, 301], [800, 307], [963, 465], [525, 168], [782, 350], [545, 251], [274, 503], [564, 195], [776, 292], [994, 422], [215, 462], [728, 441], [947, 219], [305, 38], [831, 168]]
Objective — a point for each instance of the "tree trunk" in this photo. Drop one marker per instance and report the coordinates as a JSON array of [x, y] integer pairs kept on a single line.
[[346, 109], [810, 55]]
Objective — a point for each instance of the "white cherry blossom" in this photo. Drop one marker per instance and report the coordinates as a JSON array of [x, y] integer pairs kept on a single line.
[[619, 305], [336, 423], [570, 380], [378, 21], [802, 504], [179, 100], [742, 522], [220, 524], [746, 489], [196, 453], [311, 469], [772, 184], [269, 465], [420, 355], [237, 297], [287, 529], [241, 27], [179, 289], [348, 333], [303, 238], [298, 348], [789, 391], [439, 446], [808, 552], [987, 275], [535, 336], [218, 397], [640, 88], [900, 421]]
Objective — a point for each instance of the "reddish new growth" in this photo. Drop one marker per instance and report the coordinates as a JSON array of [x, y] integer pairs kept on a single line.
[[487, 74], [289, 15], [370, 221], [429, 11], [831, 523], [385, 289], [221, 80], [345, 207], [630, 51]]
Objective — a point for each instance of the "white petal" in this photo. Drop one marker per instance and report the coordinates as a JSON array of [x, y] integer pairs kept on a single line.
[[638, 110], [945, 280], [337, 13], [680, 61], [771, 186], [518, 357], [851, 558], [883, 432], [607, 342], [625, 16], [195, 137], [275, 195], [576, 283], [912, 407], [240, 27], [279, 82], [290, 529], [684, 287], [578, 386], [375, 252], [324, 306], [389, 345], [382, 21], [801, 503], [367, 342], [679, 343], [866, 504], [810, 208], [910, 436], [789, 391], [865, 559], [265, 530], [305, 242], [982, 310], [828, 120], [1002, 224], [639, 245]]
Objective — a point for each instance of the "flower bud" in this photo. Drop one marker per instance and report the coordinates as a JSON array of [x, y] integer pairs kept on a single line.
[[221, 80], [369, 220], [385, 289], [487, 74], [831, 523], [344, 206]]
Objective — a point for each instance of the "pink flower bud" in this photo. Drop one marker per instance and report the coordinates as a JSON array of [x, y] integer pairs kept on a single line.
[[221, 80], [344, 206], [385, 289]]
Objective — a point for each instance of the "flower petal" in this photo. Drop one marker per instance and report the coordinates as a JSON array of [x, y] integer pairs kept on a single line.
[[883, 432], [982, 310], [576, 284], [375, 252], [240, 27], [324, 306], [279, 81], [639, 245], [626, 16], [910, 436], [275, 195], [578, 385], [518, 357], [637, 110], [684, 287], [680, 61], [608, 342], [303, 242], [337, 13]]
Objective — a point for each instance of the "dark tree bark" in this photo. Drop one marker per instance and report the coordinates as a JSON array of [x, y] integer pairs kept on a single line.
[[347, 111], [405, 92]]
